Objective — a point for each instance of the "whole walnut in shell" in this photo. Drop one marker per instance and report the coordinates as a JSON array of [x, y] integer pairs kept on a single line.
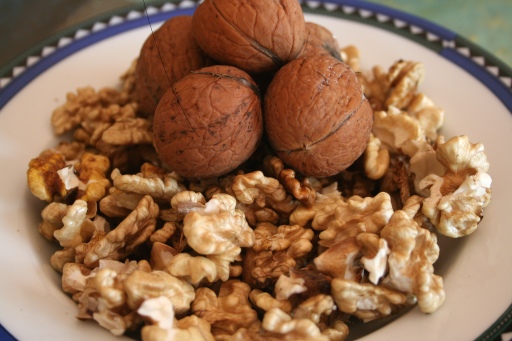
[[316, 116], [254, 35], [165, 57], [320, 41], [209, 122]]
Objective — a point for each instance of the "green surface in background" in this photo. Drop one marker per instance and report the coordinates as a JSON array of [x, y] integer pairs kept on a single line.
[[485, 23]]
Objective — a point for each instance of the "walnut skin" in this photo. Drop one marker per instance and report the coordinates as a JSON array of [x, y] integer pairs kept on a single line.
[[209, 122], [316, 116], [160, 64], [254, 35]]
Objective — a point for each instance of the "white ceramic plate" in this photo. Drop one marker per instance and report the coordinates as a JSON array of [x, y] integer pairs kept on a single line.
[[472, 87]]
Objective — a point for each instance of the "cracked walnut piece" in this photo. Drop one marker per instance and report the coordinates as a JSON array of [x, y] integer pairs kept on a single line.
[[365, 300], [228, 311], [219, 231], [164, 327], [458, 197], [413, 251], [121, 241]]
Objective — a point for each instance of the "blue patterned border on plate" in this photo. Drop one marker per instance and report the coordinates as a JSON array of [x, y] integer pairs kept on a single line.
[[485, 67], [5, 335], [489, 70], [20, 72], [493, 73]]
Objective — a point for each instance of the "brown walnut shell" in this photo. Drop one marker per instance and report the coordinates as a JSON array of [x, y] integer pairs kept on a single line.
[[209, 122], [253, 35], [161, 63], [320, 41], [316, 116]]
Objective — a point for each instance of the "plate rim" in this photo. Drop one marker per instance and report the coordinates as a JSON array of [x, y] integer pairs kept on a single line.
[[481, 64], [495, 74]]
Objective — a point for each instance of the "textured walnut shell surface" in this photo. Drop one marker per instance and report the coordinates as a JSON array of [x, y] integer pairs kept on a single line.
[[209, 122], [316, 116], [254, 35], [320, 41], [160, 64]]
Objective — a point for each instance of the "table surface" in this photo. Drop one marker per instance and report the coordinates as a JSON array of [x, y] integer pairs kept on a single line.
[[24, 23]]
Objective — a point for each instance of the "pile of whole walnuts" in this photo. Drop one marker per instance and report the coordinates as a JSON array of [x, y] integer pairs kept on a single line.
[[249, 182], [235, 71]]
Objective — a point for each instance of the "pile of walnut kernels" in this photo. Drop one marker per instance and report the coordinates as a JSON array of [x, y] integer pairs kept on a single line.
[[261, 253]]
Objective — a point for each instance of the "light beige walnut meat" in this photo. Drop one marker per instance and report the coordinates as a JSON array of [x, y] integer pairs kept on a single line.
[[163, 234], [314, 308], [365, 300], [318, 309], [161, 254], [276, 250], [164, 326], [187, 201], [255, 187], [121, 241], [77, 227], [375, 255], [265, 301], [52, 216], [394, 126], [301, 190], [42, 177], [278, 322], [357, 215], [100, 293], [228, 311], [92, 169], [339, 260], [376, 159], [458, 197], [403, 78], [429, 116], [74, 277], [286, 287], [398, 87], [413, 251], [375, 86], [141, 285], [159, 188], [321, 213], [84, 177], [291, 237], [261, 269], [128, 131], [350, 54], [89, 108], [61, 257], [219, 231], [195, 269], [458, 213], [460, 156], [118, 203], [423, 161]]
